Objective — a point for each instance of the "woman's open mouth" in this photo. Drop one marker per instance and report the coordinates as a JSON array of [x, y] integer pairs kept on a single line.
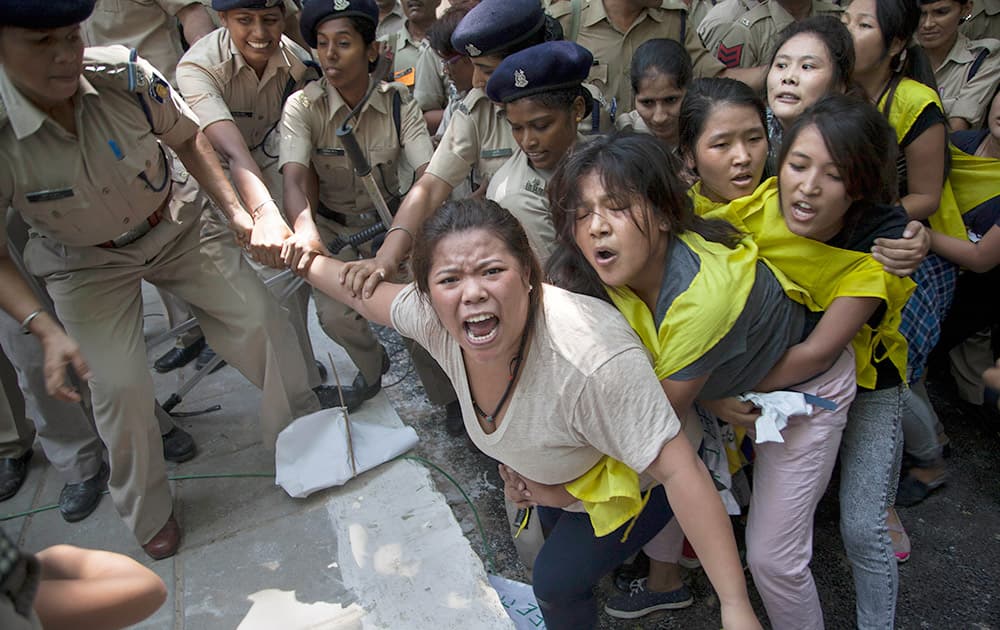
[[604, 256], [482, 328]]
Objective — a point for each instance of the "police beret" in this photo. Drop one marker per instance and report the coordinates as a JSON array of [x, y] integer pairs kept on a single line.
[[496, 25], [48, 14], [542, 68], [315, 12], [229, 5]]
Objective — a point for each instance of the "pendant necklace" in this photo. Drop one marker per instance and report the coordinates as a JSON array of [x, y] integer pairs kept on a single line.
[[515, 366]]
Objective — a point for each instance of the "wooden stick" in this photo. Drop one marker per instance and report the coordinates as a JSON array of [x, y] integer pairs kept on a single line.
[[347, 417]]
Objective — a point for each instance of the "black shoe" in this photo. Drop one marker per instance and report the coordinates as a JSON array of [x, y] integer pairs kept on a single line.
[[13, 471], [322, 371], [453, 422], [178, 357], [178, 445], [355, 394], [205, 357], [78, 500]]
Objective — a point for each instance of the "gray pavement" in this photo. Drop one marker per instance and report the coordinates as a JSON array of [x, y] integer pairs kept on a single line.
[[383, 551]]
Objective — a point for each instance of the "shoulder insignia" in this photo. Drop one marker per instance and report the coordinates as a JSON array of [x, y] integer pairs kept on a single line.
[[313, 90], [730, 56], [117, 66], [460, 106]]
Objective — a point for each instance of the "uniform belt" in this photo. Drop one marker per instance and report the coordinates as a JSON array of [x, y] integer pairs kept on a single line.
[[357, 219], [138, 231]]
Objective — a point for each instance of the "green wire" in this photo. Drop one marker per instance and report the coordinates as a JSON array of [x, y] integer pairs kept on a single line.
[[482, 532]]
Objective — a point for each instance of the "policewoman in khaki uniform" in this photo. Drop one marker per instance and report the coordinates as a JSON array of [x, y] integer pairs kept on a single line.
[[81, 161], [613, 42], [967, 71], [236, 80], [749, 42], [343, 34], [544, 130]]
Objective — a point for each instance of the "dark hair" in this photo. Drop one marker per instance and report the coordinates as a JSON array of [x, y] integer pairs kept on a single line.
[[834, 35], [630, 166], [862, 145], [475, 214], [702, 96], [899, 19], [365, 28], [661, 56], [439, 34]]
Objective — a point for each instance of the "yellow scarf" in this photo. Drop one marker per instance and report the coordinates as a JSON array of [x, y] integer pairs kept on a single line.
[[975, 180], [826, 273], [700, 316], [947, 219]]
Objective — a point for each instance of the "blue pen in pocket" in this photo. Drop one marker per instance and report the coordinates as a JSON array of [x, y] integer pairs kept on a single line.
[[116, 150]]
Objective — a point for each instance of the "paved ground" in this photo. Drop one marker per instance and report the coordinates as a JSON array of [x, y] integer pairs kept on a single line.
[[385, 552]]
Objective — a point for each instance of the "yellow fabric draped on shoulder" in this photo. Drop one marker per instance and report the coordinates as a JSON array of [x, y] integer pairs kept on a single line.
[[909, 100], [703, 206], [827, 273], [975, 180], [700, 316]]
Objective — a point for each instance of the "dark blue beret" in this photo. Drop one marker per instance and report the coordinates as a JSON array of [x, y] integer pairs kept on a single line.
[[315, 12], [496, 25], [48, 14], [229, 5], [542, 68]]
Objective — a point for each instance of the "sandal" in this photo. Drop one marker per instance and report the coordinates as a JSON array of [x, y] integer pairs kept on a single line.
[[900, 543]]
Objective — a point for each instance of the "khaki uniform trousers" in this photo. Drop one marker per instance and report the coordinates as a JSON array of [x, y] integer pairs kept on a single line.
[[66, 432], [349, 329], [98, 299]]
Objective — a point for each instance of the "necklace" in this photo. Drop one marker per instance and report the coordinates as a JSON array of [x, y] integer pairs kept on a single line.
[[515, 366]]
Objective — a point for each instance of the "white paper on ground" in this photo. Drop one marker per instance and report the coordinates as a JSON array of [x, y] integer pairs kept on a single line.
[[775, 409], [311, 453], [519, 601]]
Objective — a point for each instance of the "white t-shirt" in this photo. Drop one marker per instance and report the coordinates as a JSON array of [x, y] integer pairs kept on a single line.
[[587, 389]]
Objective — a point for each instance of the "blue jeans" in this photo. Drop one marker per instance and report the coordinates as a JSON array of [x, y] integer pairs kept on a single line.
[[870, 453], [572, 561]]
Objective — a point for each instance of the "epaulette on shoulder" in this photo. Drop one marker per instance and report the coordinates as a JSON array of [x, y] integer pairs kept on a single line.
[[404, 92], [314, 90], [754, 15], [473, 100], [560, 9], [116, 66], [990, 44], [673, 5]]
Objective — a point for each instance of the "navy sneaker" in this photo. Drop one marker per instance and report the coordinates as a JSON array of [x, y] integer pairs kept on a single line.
[[640, 601]]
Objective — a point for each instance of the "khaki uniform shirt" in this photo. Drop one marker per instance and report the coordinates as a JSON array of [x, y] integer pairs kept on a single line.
[[963, 97], [631, 121], [392, 22], [219, 85], [308, 136], [520, 188], [91, 187], [720, 17], [749, 42], [150, 26], [476, 143], [985, 20], [431, 86], [613, 50], [407, 50]]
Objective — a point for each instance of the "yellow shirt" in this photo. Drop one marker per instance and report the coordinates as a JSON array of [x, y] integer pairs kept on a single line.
[[613, 50], [309, 126], [91, 187]]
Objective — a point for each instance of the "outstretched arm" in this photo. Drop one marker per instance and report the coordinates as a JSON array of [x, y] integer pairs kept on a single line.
[[324, 274]]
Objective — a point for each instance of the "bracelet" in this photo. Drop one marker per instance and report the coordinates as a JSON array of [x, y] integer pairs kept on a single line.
[[30, 318], [256, 211], [401, 229]]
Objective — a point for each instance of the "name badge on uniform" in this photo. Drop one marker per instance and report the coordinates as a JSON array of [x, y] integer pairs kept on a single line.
[[496, 153], [242, 114], [49, 195], [407, 77], [329, 151], [535, 186]]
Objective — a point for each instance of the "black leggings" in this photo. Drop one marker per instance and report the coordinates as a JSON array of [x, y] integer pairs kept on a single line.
[[573, 560]]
